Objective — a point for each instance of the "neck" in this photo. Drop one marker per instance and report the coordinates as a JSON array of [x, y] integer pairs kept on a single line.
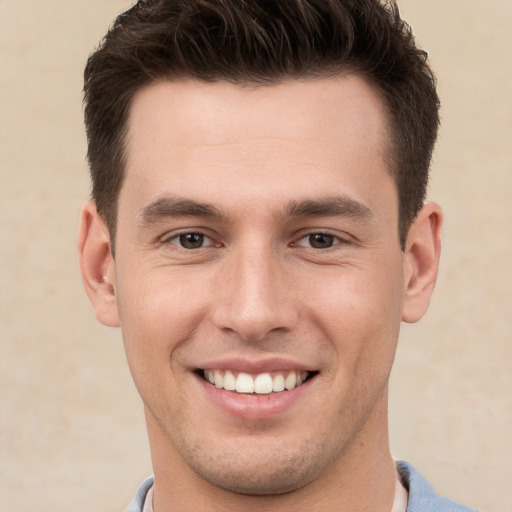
[[362, 479]]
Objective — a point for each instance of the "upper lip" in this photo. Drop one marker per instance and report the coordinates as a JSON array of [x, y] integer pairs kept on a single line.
[[255, 366]]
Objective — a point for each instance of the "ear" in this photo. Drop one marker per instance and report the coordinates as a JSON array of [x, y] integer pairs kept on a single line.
[[421, 261], [97, 265]]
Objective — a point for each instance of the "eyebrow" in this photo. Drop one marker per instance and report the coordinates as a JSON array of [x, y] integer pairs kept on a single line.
[[331, 207], [169, 207], [173, 207]]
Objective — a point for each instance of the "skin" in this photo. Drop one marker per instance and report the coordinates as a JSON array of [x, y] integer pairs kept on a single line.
[[241, 166]]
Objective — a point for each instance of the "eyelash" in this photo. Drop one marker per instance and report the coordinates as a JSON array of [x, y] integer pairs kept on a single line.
[[176, 237], [176, 240], [335, 239]]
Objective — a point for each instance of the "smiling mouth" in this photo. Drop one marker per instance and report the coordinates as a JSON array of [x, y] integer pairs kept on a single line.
[[261, 384]]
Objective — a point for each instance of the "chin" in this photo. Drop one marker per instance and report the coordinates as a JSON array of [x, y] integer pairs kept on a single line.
[[261, 480], [263, 468]]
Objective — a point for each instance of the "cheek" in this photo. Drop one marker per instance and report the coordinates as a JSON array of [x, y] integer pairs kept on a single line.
[[160, 299], [159, 312], [359, 311]]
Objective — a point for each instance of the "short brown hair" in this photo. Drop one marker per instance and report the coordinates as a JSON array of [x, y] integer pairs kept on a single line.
[[262, 42]]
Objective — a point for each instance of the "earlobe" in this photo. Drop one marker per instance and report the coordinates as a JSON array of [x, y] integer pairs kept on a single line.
[[421, 261], [97, 265]]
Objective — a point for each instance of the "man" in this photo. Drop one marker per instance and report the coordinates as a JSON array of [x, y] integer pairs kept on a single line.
[[258, 231]]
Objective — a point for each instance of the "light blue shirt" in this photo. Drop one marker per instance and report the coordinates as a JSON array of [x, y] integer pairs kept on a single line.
[[422, 498]]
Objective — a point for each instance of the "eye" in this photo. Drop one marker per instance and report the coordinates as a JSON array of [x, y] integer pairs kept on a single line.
[[191, 240], [319, 241]]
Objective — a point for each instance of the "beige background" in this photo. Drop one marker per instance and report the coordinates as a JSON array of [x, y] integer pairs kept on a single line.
[[71, 429]]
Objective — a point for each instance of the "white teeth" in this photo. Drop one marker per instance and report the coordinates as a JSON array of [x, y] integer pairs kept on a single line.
[[278, 383], [262, 384], [229, 381], [244, 383], [219, 379], [291, 381]]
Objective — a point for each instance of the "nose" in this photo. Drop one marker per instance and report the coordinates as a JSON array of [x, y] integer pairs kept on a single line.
[[256, 296]]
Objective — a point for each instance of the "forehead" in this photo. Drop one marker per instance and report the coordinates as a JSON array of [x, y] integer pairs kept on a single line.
[[222, 112], [294, 138]]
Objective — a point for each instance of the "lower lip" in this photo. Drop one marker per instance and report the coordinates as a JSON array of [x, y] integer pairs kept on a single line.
[[252, 406]]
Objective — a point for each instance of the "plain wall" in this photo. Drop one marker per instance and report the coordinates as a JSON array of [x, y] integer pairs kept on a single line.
[[72, 435]]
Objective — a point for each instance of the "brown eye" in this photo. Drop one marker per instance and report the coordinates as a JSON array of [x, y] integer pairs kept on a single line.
[[191, 240], [321, 240]]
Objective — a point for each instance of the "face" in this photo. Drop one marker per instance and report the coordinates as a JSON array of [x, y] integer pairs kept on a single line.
[[257, 248]]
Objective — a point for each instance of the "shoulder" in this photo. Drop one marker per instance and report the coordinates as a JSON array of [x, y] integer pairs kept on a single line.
[[137, 503], [422, 498]]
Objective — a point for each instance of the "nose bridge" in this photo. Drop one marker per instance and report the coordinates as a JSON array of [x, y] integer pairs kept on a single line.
[[254, 298]]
